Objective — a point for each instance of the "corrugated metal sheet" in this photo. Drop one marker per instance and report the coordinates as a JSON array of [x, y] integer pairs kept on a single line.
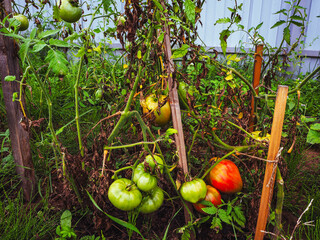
[[253, 13]]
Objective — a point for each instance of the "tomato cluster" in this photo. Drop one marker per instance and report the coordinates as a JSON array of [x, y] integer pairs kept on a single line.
[[224, 177], [142, 191]]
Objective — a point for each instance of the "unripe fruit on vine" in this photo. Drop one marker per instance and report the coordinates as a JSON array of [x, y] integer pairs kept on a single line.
[[24, 22], [69, 10]]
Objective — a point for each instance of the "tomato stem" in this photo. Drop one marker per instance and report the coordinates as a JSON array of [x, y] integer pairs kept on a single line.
[[220, 159]]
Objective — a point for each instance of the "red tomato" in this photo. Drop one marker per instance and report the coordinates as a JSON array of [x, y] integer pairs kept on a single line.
[[225, 177], [213, 196]]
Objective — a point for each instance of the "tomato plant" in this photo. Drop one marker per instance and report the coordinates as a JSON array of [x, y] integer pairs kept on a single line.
[[144, 180], [152, 201], [212, 196], [225, 177], [151, 107], [24, 22], [69, 11], [124, 194], [194, 191]]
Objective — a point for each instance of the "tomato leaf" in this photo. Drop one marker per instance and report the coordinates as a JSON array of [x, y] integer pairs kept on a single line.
[[24, 47], [57, 61], [190, 10], [313, 137], [315, 127], [210, 210], [158, 5], [216, 224], [171, 131], [180, 52], [48, 33], [224, 216], [10, 78], [65, 219], [58, 43], [106, 4], [117, 220], [223, 40], [277, 24], [222, 20], [239, 215], [39, 46], [259, 25], [286, 34]]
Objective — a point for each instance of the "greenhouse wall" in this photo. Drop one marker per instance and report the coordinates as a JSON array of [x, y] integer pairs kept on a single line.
[[253, 13]]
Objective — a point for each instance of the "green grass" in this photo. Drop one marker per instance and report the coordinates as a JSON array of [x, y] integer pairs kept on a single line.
[[20, 219]]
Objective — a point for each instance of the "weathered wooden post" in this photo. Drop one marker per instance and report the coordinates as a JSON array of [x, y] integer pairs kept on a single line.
[[256, 81], [271, 167], [19, 135], [176, 113]]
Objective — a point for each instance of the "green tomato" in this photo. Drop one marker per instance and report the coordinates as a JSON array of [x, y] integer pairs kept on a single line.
[[194, 191], [124, 194], [69, 10], [152, 164], [137, 172], [24, 22], [150, 107], [153, 201], [145, 181]]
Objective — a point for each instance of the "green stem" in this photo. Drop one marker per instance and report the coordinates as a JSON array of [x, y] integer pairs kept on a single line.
[[76, 96], [279, 205], [235, 125], [131, 145], [193, 140], [220, 159], [43, 89], [124, 114]]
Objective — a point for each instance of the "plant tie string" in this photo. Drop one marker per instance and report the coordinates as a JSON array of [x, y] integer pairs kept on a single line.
[[275, 165]]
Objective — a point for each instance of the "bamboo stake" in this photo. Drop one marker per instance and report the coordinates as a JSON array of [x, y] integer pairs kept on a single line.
[[273, 153], [256, 82]]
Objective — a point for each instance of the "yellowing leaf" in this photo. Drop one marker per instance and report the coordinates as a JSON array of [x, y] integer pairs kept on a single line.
[[125, 66], [229, 77], [139, 54], [98, 49], [240, 115], [178, 184]]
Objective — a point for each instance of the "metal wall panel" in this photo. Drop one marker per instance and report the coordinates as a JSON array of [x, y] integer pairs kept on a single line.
[[253, 13]]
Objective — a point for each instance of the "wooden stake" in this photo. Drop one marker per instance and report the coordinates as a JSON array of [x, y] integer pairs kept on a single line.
[[271, 167], [18, 125], [176, 114], [256, 82]]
